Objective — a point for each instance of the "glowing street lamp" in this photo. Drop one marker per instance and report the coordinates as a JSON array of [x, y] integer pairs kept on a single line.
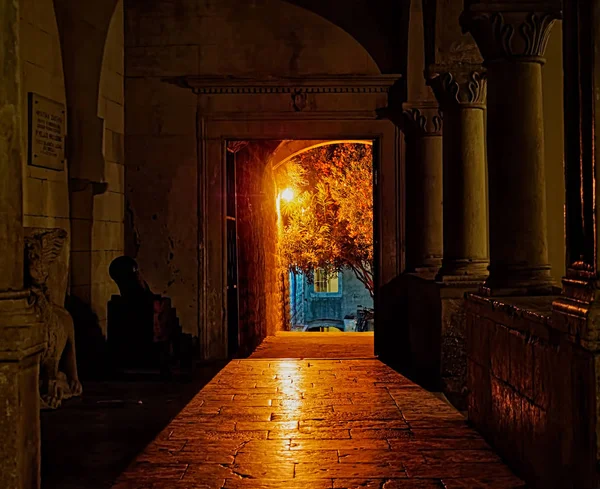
[[287, 195]]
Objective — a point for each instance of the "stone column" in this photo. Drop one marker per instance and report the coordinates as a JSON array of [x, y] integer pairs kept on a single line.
[[20, 340], [422, 127], [461, 92], [512, 42]]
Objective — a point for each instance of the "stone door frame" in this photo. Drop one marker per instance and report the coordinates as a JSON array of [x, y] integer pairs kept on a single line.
[[312, 108]]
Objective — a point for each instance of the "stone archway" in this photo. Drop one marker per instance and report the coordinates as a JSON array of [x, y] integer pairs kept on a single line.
[[290, 149]]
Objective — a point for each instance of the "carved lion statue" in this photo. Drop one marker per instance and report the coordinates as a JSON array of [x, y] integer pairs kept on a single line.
[[58, 367]]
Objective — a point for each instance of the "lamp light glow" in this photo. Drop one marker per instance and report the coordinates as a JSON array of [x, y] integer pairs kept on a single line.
[[287, 194]]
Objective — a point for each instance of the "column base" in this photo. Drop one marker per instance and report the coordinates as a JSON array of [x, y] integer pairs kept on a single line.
[[518, 281], [459, 271], [427, 273], [22, 340], [429, 268]]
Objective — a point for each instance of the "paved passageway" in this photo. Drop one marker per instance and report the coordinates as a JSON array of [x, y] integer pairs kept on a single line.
[[314, 424]]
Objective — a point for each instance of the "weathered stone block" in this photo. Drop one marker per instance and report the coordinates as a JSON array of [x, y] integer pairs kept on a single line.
[[115, 117], [42, 14], [81, 268], [112, 86], [480, 335], [542, 420], [501, 399], [115, 177], [56, 198], [46, 222], [114, 58], [40, 173], [107, 235], [22, 338], [155, 107], [100, 298], [479, 400], [33, 197], [36, 47], [453, 350], [37, 79], [500, 352], [114, 146], [100, 262], [81, 235], [109, 206], [162, 60], [82, 204], [542, 373], [521, 363]]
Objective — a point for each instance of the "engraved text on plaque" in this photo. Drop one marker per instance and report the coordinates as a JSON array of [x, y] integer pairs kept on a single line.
[[46, 132]]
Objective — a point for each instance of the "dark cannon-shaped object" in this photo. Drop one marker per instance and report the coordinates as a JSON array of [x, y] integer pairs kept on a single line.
[[143, 330]]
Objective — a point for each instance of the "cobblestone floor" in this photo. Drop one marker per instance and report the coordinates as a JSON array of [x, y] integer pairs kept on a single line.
[[316, 424]]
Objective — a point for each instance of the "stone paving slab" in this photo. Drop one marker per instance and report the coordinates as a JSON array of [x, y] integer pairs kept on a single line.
[[316, 424]]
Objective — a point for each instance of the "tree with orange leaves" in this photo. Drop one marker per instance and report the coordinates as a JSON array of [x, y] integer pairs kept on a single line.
[[329, 223]]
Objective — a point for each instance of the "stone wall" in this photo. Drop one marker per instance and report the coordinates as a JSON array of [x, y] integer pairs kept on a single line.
[[352, 294], [97, 211], [45, 191], [200, 37], [109, 207], [93, 216], [261, 279], [552, 74], [530, 391]]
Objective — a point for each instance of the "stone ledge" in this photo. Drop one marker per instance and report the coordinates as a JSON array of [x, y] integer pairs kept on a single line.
[[530, 315]]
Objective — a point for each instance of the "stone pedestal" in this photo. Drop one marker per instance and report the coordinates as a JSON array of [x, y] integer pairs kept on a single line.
[[461, 92], [21, 342], [512, 40], [422, 126], [431, 334]]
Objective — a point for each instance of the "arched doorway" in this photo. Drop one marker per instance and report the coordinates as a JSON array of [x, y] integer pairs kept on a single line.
[[271, 284], [272, 86], [388, 227]]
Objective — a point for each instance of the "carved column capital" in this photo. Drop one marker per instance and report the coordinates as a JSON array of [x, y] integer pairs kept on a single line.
[[421, 120], [511, 30], [459, 86]]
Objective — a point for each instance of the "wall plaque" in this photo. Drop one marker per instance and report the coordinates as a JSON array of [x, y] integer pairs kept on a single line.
[[46, 133]]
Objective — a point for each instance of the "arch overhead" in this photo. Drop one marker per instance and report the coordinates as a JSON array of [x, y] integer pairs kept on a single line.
[[85, 25], [382, 29], [290, 149], [266, 38]]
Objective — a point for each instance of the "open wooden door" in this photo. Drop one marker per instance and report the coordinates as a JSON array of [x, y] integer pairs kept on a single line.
[[232, 261]]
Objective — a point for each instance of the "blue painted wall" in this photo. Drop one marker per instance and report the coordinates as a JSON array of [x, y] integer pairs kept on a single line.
[[308, 306]]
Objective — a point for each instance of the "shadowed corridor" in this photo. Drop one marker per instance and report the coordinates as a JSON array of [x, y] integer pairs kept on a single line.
[[337, 422]]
